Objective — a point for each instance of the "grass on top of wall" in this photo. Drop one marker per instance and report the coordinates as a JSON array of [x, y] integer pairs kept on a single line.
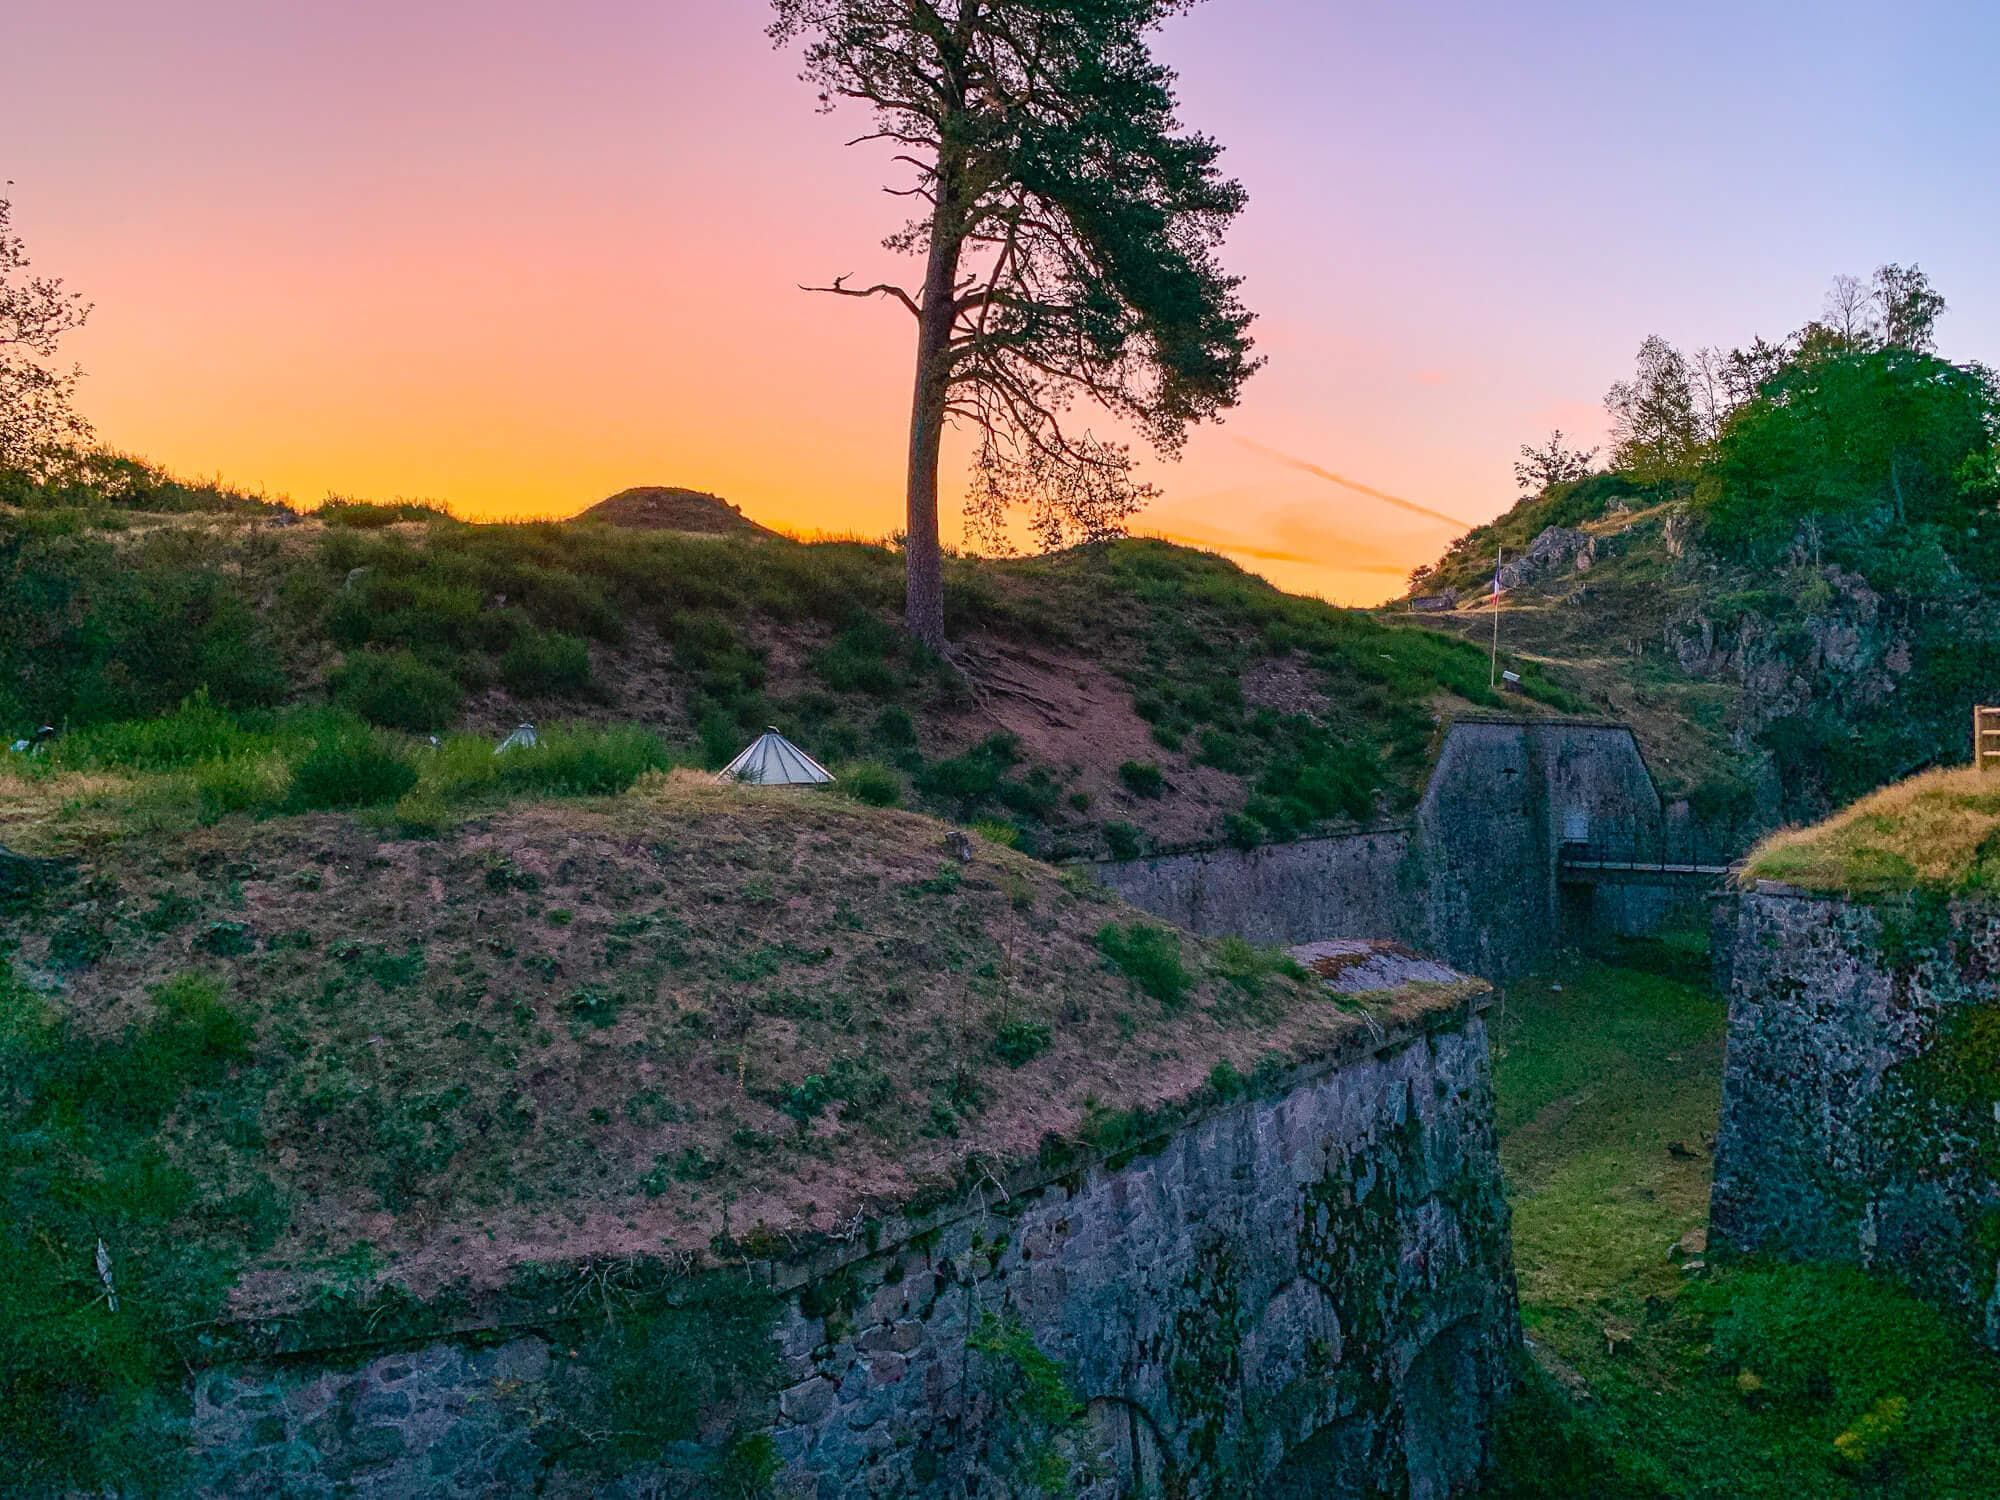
[[1939, 831]]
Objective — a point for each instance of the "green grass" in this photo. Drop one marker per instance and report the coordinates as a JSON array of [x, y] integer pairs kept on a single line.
[[1744, 1379], [198, 764]]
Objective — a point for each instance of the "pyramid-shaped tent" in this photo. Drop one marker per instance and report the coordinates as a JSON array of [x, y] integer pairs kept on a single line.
[[773, 760]]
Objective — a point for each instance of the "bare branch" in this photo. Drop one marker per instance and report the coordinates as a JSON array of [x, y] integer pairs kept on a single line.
[[880, 289]]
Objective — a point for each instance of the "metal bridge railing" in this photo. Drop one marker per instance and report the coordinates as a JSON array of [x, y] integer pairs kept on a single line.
[[1643, 846]]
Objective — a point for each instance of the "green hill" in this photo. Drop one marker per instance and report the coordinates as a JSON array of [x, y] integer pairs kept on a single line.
[[1101, 700]]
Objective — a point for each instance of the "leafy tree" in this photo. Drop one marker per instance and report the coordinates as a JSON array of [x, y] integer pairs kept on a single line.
[[1538, 468], [1881, 438], [37, 422], [1069, 231], [1909, 308], [1656, 427]]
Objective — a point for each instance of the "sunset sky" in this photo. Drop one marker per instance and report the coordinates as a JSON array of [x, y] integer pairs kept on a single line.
[[514, 256]]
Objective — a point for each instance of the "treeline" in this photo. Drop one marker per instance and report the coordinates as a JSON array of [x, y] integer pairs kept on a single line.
[[1839, 483], [1850, 440]]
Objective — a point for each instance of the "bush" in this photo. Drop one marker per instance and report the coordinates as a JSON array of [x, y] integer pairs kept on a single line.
[[370, 515], [545, 663], [1142, 778], [350, 768], [245, 784], [973, 778], [1247, 966], [1122, 839], [397, 691], [863, 658], [1019, 1042], [895, 728], [1149, 956], [1241, 831], [870, 782], [1006, 835], [186, 735], [582, 762]]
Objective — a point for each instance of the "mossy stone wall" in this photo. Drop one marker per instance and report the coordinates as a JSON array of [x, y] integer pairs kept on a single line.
[[1308, 1292], [1861, 1093]]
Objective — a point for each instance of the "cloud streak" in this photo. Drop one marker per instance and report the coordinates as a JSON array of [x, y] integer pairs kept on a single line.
[[1217, 542], [1356, 485]]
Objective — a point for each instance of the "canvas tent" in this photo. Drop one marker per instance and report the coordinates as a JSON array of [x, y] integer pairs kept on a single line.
[[773, 760]]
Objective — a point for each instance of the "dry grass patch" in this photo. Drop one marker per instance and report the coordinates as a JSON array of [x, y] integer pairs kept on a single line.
[[1939, 831]]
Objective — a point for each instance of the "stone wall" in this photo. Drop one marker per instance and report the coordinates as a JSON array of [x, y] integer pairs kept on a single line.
[[1344, 886], [1473, 879], [1308, 1292], [1861, 1092]]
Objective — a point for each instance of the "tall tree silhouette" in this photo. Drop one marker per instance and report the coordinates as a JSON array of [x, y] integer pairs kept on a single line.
[[1068, 233]]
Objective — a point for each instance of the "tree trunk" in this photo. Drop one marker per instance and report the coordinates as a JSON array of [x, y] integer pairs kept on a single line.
[[923, 560]]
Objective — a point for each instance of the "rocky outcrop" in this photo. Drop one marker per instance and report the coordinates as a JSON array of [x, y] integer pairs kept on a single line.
[[1556, 551], [1846, 649], [1301, 1288], [1861, 1093]]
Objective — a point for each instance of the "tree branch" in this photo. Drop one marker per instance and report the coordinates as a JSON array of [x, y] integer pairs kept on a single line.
[[880, 289]]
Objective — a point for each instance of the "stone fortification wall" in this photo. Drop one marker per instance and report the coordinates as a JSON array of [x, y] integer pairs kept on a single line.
[[1305, 1290], [1472, 879], [1861, 1093]]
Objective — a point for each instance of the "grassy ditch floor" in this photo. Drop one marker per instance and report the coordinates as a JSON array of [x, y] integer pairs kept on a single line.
[[1659, 1374]]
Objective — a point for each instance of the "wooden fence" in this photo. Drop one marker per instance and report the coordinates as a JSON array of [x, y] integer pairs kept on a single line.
[[1986, 738]]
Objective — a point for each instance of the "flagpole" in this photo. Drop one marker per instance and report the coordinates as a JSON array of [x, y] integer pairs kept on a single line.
[[1493, 676]]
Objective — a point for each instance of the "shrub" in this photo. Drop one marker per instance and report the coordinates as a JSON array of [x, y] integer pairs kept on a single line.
[[582, 762], [194, 731], [1149, 956], [862, 659], [895, 728], [545, 663], [1142, 778], [350, 768], [1022, 1041], [973, 778], [870, 782], [1006, 835], [1242, 831], [1247, 966], [397, 691], [370, 515], [1122, 839], [245, 784]]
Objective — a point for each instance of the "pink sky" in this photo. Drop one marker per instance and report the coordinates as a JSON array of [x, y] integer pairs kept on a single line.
[[515, 256]]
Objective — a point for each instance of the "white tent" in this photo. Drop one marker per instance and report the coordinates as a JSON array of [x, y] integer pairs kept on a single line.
[[773, 760]]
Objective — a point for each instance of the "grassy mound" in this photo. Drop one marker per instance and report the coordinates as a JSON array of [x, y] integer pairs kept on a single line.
[[307, 1067], [1938, 832], [656, 507]]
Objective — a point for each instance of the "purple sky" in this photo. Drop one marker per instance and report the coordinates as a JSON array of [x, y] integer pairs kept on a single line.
[[517, 255]]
